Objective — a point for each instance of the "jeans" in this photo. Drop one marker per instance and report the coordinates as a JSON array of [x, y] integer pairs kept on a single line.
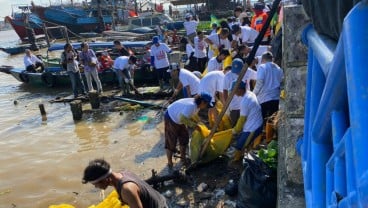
[[93, 74], [77, 83], [247, 138]]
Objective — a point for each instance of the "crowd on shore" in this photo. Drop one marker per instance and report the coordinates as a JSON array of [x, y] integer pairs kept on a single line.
[[214, 64]]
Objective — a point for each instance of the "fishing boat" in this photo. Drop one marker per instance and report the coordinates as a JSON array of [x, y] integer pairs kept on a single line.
[[24, 22], [56, 76], [20, 48]]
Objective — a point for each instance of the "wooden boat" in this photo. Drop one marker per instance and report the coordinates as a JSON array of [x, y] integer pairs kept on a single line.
[[20, 48], [56, 76], [22, 18]]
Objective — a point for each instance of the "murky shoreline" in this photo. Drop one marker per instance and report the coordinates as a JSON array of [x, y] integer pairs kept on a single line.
[[42, 162]]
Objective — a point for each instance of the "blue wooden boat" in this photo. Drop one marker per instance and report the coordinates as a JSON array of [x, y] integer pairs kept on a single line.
[[20, 48], [22, 18], [56, 76]]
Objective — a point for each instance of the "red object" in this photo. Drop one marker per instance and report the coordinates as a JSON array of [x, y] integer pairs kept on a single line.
[[106, 62], [133, 13]]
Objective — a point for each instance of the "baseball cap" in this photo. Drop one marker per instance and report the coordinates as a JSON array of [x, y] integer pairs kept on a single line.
[[235, 28], [173, 66], [207, 98], [155, 39], [242, 85], [237, 66], [187, 16]]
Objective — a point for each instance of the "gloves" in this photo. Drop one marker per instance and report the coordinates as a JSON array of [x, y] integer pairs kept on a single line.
[[152, 68], [187, 121], [239, 124]]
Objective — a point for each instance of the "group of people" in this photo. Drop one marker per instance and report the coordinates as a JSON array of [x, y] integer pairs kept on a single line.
[[218, 60]]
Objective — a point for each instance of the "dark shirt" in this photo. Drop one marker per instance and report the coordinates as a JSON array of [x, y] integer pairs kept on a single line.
[[149, 197], [123, 52]]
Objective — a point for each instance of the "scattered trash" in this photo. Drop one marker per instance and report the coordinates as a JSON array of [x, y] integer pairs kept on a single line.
[[202, 187], [231, 188]]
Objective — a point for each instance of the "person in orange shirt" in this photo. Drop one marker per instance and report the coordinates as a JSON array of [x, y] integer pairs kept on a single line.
[[259, 19]]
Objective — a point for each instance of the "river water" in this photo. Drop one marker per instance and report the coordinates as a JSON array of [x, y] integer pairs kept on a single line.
[[42, 163]]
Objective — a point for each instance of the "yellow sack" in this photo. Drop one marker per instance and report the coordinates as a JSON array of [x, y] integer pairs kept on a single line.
[[111, 201], [218, 144], [225, 122]]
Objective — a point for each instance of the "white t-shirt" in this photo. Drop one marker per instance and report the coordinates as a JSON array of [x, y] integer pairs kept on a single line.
[[29, 60], [211, 83], [190, 26], [250, 108], [189, 49], [187, 78], [228, 81], [248, 34], [272, 75], [249, 75], [160, 55], [217, 41], [214, 65], [185, 107], [200, 48], [121, 63]]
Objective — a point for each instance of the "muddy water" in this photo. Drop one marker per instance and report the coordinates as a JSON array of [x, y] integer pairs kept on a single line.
[[42, 162]]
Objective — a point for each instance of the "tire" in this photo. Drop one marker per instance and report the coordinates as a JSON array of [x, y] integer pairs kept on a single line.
[[48, 79], [24, 77]]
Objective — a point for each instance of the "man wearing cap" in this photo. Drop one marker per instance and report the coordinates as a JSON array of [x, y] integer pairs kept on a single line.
[[180, 115], [267, 89], [160, 60], [187, 81], [215, 63], [230, 77], [132, 190], [250, 120], [244, 34], [123, 66], [190, 26], [259, 19]]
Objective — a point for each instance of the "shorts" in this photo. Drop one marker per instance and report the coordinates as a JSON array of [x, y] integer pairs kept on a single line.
[[173, 133], [247, 138]]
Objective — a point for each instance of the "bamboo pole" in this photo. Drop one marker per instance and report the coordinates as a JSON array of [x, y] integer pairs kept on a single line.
[[240, 77]]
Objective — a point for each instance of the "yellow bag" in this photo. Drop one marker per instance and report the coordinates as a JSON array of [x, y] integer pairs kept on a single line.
[[111, 201]]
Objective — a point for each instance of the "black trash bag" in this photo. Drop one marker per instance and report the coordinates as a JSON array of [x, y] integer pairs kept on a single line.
[[257, 186]]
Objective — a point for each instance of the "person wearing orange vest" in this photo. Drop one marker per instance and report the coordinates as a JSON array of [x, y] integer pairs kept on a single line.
[[259, 19]]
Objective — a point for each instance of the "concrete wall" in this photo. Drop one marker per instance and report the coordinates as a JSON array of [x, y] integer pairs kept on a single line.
[[294, 63]]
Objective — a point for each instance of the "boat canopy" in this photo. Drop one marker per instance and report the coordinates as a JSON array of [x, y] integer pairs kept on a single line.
[[76, 45]]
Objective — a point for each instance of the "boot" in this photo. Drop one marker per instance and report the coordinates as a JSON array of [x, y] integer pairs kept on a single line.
[[161, 83], [238, 156]]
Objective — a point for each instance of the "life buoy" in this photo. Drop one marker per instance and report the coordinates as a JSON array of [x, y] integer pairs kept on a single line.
[[48, 79], [24, 77]]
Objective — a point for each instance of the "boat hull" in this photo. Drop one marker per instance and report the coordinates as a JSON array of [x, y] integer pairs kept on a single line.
[[20, 29]]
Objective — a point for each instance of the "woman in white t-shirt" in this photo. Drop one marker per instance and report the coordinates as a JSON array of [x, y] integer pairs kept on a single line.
[[200, 51], [190, 26]]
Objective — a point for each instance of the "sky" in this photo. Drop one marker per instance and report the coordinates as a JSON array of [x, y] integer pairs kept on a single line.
[[5, 5]]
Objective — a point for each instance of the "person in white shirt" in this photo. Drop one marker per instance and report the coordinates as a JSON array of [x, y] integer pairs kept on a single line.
[[200, 51], [215, 63], [187, 81], [244, 34], [32, 63], [215, 28], [250, 75], [180, 115], [190, 26], [160, 60], [217, 42], [230, 77], [267, 89], [123, 66], [250, 122], [213, 84]]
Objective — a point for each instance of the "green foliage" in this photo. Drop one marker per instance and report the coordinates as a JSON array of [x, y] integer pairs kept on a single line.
[[269, 155]]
